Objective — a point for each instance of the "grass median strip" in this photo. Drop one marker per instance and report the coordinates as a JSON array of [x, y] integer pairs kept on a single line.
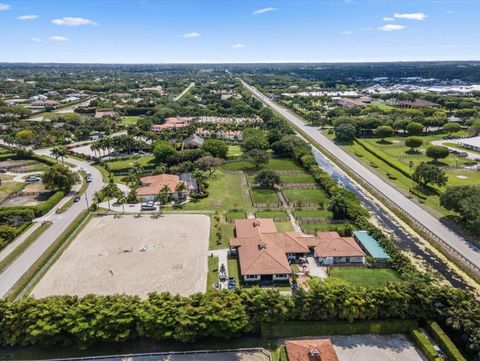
[[28, 280], [23, 246]]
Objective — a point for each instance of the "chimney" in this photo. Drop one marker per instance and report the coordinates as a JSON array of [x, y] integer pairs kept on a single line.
[[314, 354], [262, 245]]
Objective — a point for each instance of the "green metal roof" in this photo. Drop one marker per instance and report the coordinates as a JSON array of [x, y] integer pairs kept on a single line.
[[371, 245]]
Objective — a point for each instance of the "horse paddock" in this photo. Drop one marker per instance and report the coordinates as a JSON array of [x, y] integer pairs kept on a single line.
[[132, 255]]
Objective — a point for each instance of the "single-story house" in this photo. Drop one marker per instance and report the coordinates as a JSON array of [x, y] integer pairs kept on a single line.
[[152, 185], [172, 123], [320, 349], [416, 103], [45, 103], [371, 246], [354, 102], [331, 249], [193, 141], [265, 254], [99, 114]]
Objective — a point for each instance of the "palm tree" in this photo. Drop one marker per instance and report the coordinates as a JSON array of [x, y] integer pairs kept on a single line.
[[181, 188], [95, 147], [122, 199], [58, 152], [110, 190], [163, 195]]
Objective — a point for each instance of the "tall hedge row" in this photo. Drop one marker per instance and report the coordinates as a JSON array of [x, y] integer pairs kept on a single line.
[[80, 322]]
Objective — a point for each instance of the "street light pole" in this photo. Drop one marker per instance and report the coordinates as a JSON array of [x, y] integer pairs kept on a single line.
[[86, 200]]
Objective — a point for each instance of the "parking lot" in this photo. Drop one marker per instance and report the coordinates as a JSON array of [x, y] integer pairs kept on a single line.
[[133, 255]]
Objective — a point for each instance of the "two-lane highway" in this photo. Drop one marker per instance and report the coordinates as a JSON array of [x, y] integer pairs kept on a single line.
[[453, 240], [60, 223]]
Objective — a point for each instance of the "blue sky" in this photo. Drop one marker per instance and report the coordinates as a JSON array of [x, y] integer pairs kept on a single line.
[[162, 31]]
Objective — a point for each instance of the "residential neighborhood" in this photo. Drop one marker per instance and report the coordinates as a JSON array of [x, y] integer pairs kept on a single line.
[[211, 180]]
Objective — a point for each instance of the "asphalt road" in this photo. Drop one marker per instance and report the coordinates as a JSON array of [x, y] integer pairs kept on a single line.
[[466, 249], [60, 222]]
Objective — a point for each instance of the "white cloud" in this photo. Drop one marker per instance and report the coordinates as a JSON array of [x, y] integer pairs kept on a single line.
[[4, 7], [27, 17], [238, 46], [388, 19], [346, 32], [411, 16], [264, 11], [392, 27], [36, 40], [70, 21], [191, 35], [58, 38]]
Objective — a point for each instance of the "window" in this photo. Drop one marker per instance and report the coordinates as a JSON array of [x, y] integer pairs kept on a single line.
[[249, 277], [281, 276]]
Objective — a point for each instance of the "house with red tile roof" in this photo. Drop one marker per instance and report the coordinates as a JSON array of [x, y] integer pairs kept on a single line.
[[172, 123], [311, 350], [152, 185], [265, 254]]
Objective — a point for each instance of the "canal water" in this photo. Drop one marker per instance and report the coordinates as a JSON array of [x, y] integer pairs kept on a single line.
[[398, 234]]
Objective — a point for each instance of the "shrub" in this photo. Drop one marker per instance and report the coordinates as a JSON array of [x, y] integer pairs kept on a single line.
[[425, 345], [46, 206], [445, 342]]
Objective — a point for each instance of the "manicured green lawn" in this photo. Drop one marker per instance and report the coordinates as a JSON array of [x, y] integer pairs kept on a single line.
[[226, 233], [147, 161], [284, 227], [130, 120], [8, 187], [274, 164], [226, 191], [270, 214], [301, 178], [212, 276], [234, 151], [312, 213], [236, 215], [264, 196], [395, 153], [314, 195], [233, 269], [365, 276], [324, 227]]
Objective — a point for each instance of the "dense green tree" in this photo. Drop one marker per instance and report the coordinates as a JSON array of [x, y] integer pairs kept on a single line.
[[216, 148], [164, 152], [25, 136], [345, 132], [384, 131], [338, 205], [413, 143], [425, 174], [291, 146], [58, 177], [254, 139], [464, 200], [258, 157], [414, 128], [437, 152], [267, 178], [209, 164], [451, 127]]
